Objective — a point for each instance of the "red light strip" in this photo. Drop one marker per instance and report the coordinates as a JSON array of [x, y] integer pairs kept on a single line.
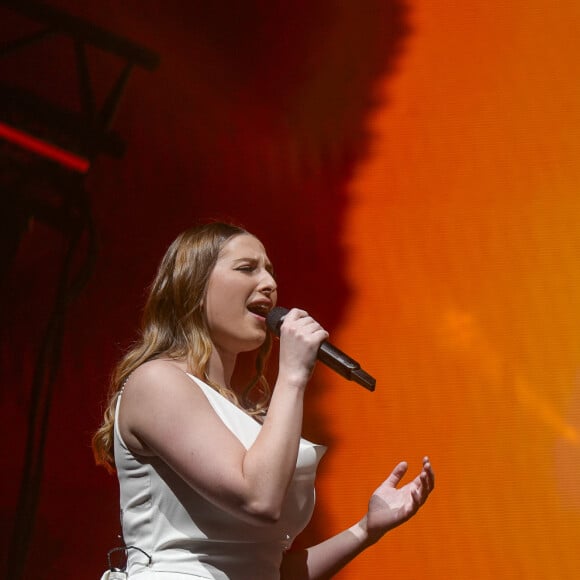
[[44, 149]]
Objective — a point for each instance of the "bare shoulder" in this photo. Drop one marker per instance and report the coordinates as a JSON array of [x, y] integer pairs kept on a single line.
[[162, 382], [155, 395], [154, 371]]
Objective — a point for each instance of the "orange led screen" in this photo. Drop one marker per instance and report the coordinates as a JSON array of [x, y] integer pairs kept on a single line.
[[413, 168], [463, 246]]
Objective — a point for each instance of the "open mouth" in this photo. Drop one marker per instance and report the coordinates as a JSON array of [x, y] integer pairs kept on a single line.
[[259, 309]]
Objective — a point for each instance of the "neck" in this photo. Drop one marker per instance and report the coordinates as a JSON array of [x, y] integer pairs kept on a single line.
[[221, 367]]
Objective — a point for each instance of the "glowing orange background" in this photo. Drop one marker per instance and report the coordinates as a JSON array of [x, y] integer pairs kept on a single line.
[[463, 254], [413, 169]]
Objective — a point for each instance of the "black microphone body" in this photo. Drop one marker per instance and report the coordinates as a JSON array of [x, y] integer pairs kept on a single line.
[[328, 354]]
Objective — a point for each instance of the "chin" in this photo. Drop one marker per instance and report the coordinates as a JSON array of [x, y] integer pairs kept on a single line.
[[255, 343]]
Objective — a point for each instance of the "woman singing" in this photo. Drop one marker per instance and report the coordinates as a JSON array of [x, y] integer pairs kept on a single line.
[[216, 481]]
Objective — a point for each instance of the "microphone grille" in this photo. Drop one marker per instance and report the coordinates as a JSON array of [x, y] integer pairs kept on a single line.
[[275, 319]]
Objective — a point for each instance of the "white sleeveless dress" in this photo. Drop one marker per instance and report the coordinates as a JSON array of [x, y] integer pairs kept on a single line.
[[187, 536]]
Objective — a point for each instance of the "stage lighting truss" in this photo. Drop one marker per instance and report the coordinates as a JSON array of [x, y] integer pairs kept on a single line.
[[34, 126], [46, 152]]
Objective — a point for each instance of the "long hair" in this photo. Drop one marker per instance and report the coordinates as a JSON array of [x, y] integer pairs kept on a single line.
[[174, 326]]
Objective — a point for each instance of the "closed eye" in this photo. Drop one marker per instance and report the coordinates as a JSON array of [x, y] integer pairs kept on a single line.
[[246, 268], [252, 265]]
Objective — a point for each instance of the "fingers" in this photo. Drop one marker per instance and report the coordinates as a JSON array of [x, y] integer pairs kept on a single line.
[[427, 475], [430, 475], [397, 474], [300, 339], [295, 314], [298, 314], [390, 506], [423, 484], [299, 323]]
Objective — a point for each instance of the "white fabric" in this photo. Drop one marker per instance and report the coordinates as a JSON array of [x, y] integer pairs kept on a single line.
[[188, 536]]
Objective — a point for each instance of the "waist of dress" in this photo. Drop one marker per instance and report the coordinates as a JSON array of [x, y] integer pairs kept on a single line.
[[213, 559]]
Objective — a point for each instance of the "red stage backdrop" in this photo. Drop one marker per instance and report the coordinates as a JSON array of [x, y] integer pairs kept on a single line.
[[412, 168]]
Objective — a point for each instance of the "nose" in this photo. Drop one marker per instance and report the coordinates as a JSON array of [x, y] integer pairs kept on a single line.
[[268, 284]]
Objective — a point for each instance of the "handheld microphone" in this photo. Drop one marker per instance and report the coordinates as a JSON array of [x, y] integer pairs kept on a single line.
[[328, 354]]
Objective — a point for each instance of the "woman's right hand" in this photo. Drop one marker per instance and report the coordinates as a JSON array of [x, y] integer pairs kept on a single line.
[[300, 339]]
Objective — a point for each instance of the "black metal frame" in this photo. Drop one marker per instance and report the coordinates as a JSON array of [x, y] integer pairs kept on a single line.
[[25, 179], [88, 131]]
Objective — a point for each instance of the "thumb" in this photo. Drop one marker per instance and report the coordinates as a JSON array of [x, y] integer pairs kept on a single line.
[[397, 474]]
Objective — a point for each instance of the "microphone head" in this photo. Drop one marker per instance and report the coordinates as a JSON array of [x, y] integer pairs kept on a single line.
[[275, 319]]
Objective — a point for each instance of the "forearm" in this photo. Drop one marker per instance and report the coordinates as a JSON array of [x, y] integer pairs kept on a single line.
[[327, 558], [270, 463]]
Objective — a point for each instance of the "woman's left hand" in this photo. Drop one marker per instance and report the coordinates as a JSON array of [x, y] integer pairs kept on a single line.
[[390, 506]]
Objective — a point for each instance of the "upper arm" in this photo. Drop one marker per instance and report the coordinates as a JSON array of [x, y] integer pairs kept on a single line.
[[166, 414]]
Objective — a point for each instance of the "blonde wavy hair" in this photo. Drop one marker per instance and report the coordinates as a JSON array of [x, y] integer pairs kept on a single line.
[[174, 326]]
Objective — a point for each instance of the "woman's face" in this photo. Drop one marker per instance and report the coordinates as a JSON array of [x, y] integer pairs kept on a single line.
[[241, 291]]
